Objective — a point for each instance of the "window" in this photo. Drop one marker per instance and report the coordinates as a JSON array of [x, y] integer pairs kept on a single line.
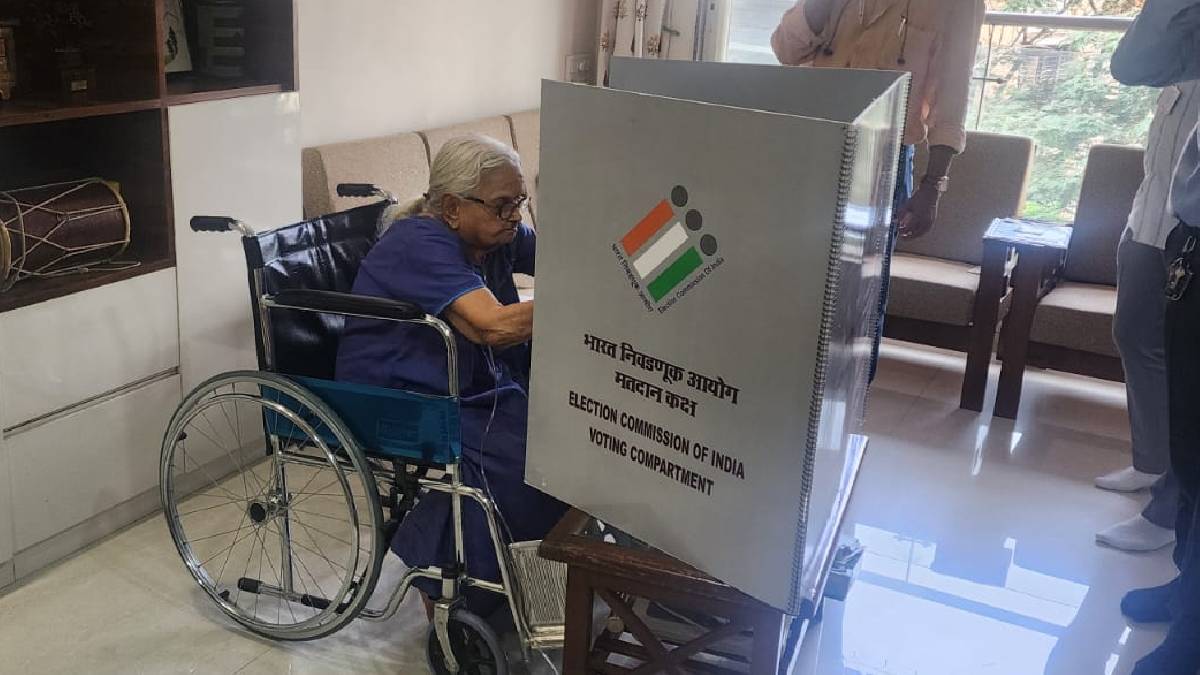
[[1041, 71]]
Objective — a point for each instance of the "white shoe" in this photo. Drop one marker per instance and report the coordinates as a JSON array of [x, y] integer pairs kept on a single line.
[[1128, 479], [1136, 534]]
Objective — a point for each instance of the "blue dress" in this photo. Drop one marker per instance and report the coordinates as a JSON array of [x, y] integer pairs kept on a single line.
[[422, 261]]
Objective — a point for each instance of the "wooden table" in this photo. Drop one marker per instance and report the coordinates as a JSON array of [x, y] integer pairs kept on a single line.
[[1039, 250], [619, 573]]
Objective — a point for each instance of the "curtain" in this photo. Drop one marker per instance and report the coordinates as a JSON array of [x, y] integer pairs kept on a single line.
[[652, 29]]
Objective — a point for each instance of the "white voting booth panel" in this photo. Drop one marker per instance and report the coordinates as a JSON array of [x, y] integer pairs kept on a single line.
[[708, 275]]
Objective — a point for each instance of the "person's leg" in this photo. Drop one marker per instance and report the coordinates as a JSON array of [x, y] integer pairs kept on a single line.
[[1138, 331], [904, 190], [1163, 509], [1180, 651]]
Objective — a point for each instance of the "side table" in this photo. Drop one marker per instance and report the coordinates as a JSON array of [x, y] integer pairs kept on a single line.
[[1041, 250], [618, 573]]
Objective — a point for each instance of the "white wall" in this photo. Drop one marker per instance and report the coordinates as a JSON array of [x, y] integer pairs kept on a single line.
[[371, 67]]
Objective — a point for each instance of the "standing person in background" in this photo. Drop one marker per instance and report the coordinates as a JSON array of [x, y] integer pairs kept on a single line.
[[1138, 329], [935, 41], [1163, 48]]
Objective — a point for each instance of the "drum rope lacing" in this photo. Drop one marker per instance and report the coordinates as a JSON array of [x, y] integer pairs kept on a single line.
[[63, 218]]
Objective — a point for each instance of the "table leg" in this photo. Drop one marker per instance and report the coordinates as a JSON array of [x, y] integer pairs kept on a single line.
[[578, 643], [768, 633], [992, 282], [1027, 279]]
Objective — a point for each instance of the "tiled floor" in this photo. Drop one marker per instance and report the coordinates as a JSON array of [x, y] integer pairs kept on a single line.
[[980, 559]]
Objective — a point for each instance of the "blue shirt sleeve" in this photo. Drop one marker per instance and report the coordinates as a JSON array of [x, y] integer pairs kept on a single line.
[[525, 247], [1162, 47], [422, 262]]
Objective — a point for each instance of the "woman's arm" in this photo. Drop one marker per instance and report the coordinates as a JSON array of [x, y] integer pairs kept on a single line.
[[802, 31], [951, 71], [1162, 47], [480, 317]]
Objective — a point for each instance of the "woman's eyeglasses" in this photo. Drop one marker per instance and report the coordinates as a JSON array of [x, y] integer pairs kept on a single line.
[[505, 210]]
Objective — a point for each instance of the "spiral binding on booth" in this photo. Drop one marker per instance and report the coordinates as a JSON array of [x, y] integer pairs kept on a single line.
[[832, 289]]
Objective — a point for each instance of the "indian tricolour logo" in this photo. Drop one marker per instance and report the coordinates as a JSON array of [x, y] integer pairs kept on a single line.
[[663, 255]]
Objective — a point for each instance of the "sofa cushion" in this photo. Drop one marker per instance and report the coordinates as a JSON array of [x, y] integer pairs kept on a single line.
[[932, 289], [396, 163], [987, 181], [527, 135], [1077, 316], [1110, 183]]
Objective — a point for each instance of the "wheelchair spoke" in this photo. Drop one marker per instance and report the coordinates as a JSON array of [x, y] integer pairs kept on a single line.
[[292, 509], [318, 546], [237, 540], [313, 528], [211, 536], [237, 432], [322, 556], [278, 575], [201, 469], [316, 584], [206, 508]]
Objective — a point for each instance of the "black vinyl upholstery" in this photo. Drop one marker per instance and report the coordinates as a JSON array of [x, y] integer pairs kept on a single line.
[[322, 254]]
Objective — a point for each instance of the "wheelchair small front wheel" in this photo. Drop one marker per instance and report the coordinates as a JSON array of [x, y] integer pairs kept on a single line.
[[272, 505], [474, 643]]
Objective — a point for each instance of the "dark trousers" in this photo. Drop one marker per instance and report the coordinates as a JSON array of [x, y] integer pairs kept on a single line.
[[1183, 382], [904, 191]]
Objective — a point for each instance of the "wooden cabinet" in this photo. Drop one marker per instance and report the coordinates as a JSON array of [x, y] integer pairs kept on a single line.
[[93, 365], [116, 127]]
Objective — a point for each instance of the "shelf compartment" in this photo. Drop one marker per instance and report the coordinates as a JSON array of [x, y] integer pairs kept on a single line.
[[118, 39], [268, 63], [129, 149]]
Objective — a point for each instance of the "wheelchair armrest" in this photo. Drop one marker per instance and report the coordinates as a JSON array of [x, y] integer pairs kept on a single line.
[[332, 302]]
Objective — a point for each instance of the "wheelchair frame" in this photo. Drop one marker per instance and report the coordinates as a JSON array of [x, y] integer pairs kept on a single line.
[[454, 577]]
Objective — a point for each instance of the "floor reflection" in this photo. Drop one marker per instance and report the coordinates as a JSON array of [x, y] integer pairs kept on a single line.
[[993, 618], [979, 534]]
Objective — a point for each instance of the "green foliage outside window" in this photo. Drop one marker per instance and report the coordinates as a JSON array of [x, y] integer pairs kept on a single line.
[[1054, 86]]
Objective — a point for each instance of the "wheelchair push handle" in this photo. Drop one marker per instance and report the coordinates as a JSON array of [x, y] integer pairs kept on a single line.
[[212, 224], [359, 190], [219, 224]]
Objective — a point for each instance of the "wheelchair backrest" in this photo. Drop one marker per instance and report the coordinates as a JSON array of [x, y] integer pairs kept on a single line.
[[319, 254]]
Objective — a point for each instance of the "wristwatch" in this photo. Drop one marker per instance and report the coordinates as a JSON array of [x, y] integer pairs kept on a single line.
[[940, 184]]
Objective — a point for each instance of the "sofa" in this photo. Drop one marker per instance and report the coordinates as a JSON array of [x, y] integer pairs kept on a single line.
[[935, 277], [399, 163]]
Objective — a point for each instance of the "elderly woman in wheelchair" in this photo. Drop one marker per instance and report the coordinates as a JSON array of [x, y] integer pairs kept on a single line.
[[453, 253], [393, 373]]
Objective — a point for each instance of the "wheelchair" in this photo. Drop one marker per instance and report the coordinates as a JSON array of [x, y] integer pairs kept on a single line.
[[282, 487]]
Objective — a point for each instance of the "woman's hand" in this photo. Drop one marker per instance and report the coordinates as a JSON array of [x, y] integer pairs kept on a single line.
[[481, 318], [917, 217]]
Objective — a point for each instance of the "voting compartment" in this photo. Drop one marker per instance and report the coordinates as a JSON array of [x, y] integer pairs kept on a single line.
[[708, 278]]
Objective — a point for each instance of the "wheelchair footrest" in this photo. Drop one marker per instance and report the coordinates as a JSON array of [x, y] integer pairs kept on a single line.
[[258, 587]]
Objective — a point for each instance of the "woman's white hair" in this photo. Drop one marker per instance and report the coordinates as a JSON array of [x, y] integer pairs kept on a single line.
[[459, 168]]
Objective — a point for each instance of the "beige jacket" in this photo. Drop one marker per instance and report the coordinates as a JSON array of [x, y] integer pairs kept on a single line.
[[942, 36]]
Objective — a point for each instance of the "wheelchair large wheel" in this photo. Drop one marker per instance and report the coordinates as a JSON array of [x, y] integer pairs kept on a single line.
[[272, 504]]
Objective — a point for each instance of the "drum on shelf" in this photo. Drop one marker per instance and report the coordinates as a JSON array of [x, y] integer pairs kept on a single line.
[[63, 228]]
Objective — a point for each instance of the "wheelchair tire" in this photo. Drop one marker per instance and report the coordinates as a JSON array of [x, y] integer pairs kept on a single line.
[[475, 644], [272, 505]]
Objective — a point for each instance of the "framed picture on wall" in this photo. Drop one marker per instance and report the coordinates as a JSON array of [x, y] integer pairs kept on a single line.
[[179, 58]]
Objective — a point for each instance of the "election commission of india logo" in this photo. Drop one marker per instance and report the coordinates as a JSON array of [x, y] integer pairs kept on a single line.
[[667, 254]]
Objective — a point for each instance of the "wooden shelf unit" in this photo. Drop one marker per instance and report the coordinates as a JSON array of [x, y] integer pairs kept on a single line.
[[119, 132]]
